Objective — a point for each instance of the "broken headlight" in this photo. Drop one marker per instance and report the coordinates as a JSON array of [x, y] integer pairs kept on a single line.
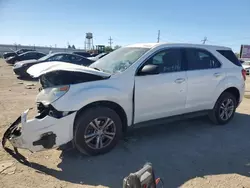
[[49, 110], [49, 95]]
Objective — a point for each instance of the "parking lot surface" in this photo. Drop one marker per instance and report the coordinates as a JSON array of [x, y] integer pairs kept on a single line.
[[186, 153]]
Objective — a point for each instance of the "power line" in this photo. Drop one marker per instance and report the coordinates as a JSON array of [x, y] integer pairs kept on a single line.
[[110, 42], [204, 40], [158, 38]]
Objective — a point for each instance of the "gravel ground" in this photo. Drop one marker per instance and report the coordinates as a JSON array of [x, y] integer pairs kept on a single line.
[[187, 153]]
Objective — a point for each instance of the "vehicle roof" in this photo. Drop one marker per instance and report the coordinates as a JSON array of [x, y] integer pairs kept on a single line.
[[56, 53], [153, 45], [66, 53], [32, 52], [80, 52], [25, 49]]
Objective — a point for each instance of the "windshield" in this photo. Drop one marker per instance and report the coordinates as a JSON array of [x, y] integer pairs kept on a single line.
[[45, 57], [119, 60]]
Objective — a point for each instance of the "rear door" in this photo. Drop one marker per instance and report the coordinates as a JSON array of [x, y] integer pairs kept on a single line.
[[204, 74]]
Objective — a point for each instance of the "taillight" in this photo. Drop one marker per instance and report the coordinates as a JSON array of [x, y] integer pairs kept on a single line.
[[244, 73]]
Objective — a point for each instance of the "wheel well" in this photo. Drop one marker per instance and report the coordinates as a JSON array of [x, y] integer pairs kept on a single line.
[[235, 92], [112, 105]]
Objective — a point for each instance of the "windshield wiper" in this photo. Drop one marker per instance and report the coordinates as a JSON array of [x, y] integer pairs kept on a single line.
[[99, 69], [96, 68]]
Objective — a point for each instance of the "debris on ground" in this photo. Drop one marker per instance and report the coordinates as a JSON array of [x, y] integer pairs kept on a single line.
[[30, 84], [7, 167]]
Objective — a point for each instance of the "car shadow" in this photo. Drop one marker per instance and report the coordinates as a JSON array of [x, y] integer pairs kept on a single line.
[[26, 78], [179, 151]]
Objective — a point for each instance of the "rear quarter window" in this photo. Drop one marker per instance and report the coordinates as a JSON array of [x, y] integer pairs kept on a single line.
[[230, 56]]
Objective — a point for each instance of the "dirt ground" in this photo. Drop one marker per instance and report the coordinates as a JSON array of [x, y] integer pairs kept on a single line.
[[190, 153]]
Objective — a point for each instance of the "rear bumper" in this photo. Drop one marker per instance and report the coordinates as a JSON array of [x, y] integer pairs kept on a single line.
[[242, 92], [39, 134]]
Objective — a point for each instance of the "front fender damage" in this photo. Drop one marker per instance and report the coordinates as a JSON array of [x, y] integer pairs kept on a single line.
[[39, 134]]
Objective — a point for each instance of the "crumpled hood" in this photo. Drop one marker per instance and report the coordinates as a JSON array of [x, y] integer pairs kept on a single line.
[[43, 68]]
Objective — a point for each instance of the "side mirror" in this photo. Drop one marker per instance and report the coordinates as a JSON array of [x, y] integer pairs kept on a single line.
[[149, 70]]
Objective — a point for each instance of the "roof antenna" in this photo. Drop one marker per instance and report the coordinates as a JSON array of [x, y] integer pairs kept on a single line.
[[204, 40], [158, 38]]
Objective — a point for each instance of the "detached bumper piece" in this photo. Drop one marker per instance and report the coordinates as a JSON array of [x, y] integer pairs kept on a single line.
[[40, 133], [12, 130]]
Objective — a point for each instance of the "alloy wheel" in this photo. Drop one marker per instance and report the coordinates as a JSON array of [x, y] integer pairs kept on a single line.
[[100, 132], [226, 109]]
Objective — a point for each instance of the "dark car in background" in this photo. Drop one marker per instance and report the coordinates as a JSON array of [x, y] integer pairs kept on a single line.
[[25, 56], [84, 54], [15, 53], [21, 67]]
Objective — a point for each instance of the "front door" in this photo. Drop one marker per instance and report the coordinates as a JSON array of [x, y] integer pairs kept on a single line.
[[164, 94]]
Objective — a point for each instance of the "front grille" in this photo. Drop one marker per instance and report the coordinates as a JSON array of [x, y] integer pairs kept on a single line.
[[40, 107]]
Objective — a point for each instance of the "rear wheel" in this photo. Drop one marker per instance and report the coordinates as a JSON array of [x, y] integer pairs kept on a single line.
[[97, 131], [224, 109]]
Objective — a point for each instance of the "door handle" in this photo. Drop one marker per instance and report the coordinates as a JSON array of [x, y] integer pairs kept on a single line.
[[179, 80], [217, 74]]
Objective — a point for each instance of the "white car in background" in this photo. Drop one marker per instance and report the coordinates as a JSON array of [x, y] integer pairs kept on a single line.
[[246, 66], [93, 106]]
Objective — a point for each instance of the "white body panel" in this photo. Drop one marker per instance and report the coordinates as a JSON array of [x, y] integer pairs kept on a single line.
[[33, 129], [149, 89], [142, 98]]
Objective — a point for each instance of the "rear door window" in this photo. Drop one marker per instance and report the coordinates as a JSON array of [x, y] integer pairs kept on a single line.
[[229, 55], [199, 59]]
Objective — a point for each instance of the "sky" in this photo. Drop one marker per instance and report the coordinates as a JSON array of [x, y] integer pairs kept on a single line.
[[58, 22]]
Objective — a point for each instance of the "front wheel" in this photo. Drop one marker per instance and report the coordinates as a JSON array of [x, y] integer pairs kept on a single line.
[[224, 109], [97, 131]]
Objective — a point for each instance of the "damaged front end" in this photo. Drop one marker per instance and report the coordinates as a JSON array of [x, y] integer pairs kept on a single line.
[[51, 128]]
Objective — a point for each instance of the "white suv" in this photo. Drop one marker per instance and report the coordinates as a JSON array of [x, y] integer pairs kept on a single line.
[[93, 106]]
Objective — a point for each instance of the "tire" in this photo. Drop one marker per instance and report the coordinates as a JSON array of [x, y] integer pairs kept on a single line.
[[84, 140], [216, 115]]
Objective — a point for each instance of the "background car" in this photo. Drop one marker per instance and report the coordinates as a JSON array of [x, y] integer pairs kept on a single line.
[[94, 54], [15, 53], [25, 56], [99, 56], [246, 66], [21, 67], [84, 54]]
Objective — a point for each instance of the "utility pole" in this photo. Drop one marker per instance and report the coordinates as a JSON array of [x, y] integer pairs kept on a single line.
[[204, 40], [110, 42], [158, 38]]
